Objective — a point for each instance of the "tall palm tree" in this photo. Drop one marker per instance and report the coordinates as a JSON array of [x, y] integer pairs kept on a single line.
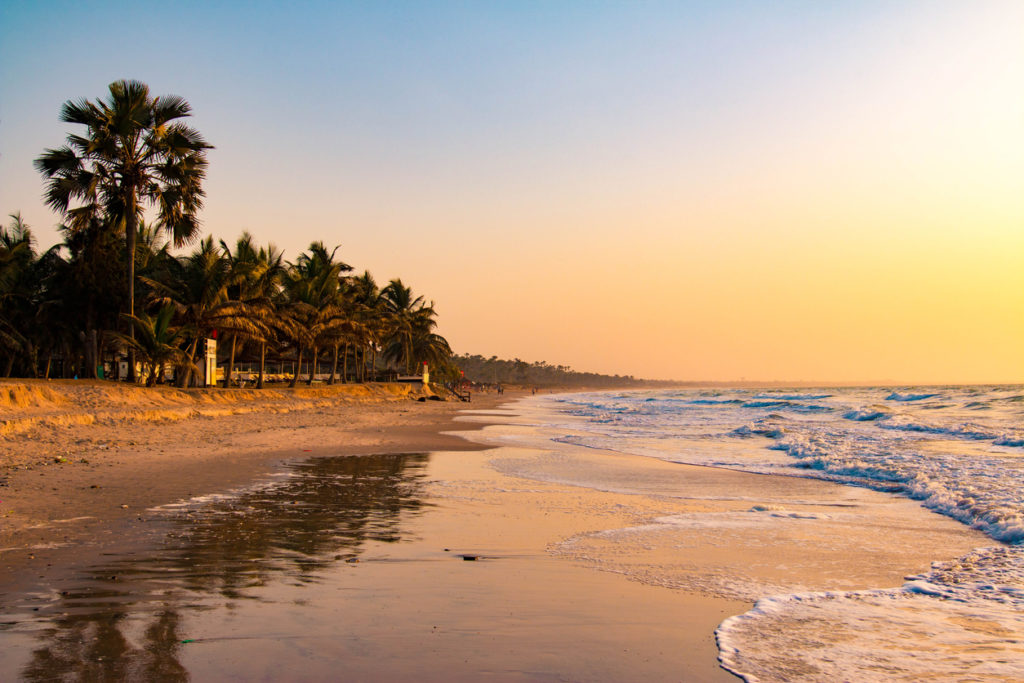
[[135, 154]]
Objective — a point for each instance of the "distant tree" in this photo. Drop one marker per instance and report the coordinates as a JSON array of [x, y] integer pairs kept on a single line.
[[540, 373]]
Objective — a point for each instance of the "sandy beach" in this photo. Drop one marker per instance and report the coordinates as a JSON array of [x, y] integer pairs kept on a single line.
[[77, 492], [483, 557], [78, 459]]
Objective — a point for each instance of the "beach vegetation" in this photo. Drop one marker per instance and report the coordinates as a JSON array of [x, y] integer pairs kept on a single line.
[[310, 319], [128, 186], [497, 371]]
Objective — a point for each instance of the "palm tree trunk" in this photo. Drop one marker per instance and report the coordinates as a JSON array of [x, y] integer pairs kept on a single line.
[[89, 341], [231, 362], [344, 363], [65, 365], [312, 367], [263, 359], [298, 367], [32, 354], [130, 228], [101, 353], [49, 360], [186, 375], [334, 365]]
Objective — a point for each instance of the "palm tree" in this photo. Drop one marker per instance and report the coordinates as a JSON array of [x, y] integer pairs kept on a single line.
[[368, 314], [17, 254], [135, 154], [255, 273], [157, 341], [199, 291], [16, 245], [313, 291], [27, 297], [411, 322], [267, 286], [264, 285], [428, 347]]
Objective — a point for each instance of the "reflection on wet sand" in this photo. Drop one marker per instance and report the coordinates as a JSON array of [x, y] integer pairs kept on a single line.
[[95, 647], [122, 620]]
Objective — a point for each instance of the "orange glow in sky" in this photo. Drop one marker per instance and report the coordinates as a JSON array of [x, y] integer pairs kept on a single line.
[[695, 191]]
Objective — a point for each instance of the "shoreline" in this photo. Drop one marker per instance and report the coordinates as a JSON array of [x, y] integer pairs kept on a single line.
[[495, 516], [515, 501]]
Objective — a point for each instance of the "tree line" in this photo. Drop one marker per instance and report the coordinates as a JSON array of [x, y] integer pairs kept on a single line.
[[496, 370], [129, 189], [67, 304]]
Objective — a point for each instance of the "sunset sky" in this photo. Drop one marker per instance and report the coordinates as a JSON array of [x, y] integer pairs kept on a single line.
[[816, 191]]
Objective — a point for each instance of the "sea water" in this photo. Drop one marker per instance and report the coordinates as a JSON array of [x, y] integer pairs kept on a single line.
[[957, 450]]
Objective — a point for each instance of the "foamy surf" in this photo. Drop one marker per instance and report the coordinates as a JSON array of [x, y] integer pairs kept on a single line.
[[962, 621], [959, 451]]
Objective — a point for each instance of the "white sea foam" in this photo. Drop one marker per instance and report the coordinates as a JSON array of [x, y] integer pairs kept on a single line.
[[957, 450], [963, 620]]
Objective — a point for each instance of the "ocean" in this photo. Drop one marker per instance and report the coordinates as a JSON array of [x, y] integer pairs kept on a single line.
[[956, 451]]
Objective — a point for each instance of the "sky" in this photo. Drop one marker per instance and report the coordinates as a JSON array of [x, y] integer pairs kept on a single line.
[[790, 191]]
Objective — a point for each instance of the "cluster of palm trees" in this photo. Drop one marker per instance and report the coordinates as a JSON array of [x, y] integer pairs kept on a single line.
[[77, 302], [311, 313]]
